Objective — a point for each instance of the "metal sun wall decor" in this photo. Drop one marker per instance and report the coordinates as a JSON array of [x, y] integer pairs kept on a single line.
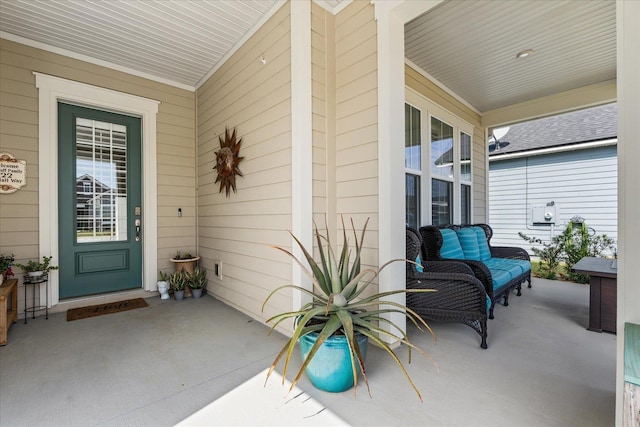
[[227, 161]]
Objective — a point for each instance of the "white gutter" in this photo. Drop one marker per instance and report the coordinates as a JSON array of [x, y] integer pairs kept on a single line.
[[552, 150]]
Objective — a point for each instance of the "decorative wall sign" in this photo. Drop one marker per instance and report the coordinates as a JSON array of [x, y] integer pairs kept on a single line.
[[13, 173], [227, 160]]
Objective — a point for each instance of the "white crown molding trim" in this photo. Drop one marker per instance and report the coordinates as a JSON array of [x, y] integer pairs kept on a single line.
[[340, 7], [331, 9], [91, 60], [276, 7], [440, 85], [53, 89]]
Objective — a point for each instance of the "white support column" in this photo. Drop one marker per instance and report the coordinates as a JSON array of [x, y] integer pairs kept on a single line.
[[628, 70], [391, 17], [301, 137], [391, 209]]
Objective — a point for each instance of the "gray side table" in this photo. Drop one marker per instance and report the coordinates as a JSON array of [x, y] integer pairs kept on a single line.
[[603, 277]]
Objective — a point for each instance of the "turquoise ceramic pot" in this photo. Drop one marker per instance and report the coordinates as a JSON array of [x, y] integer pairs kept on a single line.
[[330, 368]]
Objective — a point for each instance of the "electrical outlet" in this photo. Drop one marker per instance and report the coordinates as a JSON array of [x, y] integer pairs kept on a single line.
[[217, 269]]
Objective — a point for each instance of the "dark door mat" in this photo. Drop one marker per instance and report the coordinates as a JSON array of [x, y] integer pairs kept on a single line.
[[108, 308]]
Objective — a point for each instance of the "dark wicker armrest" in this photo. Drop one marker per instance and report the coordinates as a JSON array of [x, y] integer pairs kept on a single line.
[[482, 273], [509, 252], [446, 266], [453, 291]]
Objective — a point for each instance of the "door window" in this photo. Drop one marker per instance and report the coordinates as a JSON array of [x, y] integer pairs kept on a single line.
[[101, 172]]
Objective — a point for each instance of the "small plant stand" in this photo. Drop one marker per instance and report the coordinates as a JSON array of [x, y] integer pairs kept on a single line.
[[35, 283]]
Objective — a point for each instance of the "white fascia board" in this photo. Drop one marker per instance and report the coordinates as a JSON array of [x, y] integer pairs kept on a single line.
[[552, 150]]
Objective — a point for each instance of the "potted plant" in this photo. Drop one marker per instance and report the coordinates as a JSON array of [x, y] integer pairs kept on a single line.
[[36, 268], [197, 280], [6, 261], [177, 281], [163, 285], [184, 261], [341, 318]]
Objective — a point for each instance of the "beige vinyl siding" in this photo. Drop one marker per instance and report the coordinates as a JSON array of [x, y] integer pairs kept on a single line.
[[437, 95], [19, 136], [255, 99], [357, 123]]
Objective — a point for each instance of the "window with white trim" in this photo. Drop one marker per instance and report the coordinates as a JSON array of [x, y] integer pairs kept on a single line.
[[442, 192]]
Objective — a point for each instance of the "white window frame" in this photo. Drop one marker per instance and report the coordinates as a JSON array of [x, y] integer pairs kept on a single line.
[[463, 181], [430, 109], [416, 172]]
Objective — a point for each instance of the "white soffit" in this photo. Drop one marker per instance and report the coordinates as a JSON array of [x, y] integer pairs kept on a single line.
[[470, 47], [178, 42], [174, 40]]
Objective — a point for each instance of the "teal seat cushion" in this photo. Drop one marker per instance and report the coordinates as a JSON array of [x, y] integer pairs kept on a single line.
[[502, 271], [488, 303], [483, 245], [419, 266], [499, 279], [451, 248], [515, 266], [469, 243], [523, 264]]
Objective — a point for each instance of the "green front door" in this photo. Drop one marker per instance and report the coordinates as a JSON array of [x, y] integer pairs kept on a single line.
[[99, 206]]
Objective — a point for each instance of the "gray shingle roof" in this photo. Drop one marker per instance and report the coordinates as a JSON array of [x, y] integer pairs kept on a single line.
[[591, 124]]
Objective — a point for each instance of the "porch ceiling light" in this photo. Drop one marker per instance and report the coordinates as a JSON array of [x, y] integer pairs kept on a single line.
[[524, 53]]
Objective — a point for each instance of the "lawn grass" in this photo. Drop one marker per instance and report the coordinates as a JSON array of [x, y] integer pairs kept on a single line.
[[560, 270]]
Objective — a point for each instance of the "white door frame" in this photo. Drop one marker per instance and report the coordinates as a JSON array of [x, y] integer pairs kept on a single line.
[[50, 91]]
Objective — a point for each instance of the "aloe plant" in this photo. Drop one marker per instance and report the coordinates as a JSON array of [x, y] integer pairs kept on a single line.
[[197, 279], [177, 281], [338, 307]]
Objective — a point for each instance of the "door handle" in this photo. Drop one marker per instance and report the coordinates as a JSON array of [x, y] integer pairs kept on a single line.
[[137, 230]]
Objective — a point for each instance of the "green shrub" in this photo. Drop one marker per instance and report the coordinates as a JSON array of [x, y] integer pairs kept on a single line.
[[550, 255], [576, 242]]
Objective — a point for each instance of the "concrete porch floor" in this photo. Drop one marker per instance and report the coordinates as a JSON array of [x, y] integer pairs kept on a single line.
[[158, 365]]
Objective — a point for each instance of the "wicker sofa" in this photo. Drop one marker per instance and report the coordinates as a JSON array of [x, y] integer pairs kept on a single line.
[[500, 269], [458, 297]]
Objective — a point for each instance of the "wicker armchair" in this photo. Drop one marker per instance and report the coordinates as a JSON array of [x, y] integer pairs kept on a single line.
[[432, 242], [459, 296]]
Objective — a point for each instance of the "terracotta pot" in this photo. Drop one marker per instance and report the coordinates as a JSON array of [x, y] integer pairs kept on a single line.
[[187, 265]]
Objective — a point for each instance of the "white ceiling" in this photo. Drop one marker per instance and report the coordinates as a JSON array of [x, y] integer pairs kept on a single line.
[[469, 46], [177, 41]]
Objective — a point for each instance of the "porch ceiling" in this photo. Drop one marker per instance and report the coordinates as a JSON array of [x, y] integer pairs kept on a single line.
[[470, 47]]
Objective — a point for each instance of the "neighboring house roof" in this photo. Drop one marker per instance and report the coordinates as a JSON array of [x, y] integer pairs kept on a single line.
[[89, 178], [577, 127]]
